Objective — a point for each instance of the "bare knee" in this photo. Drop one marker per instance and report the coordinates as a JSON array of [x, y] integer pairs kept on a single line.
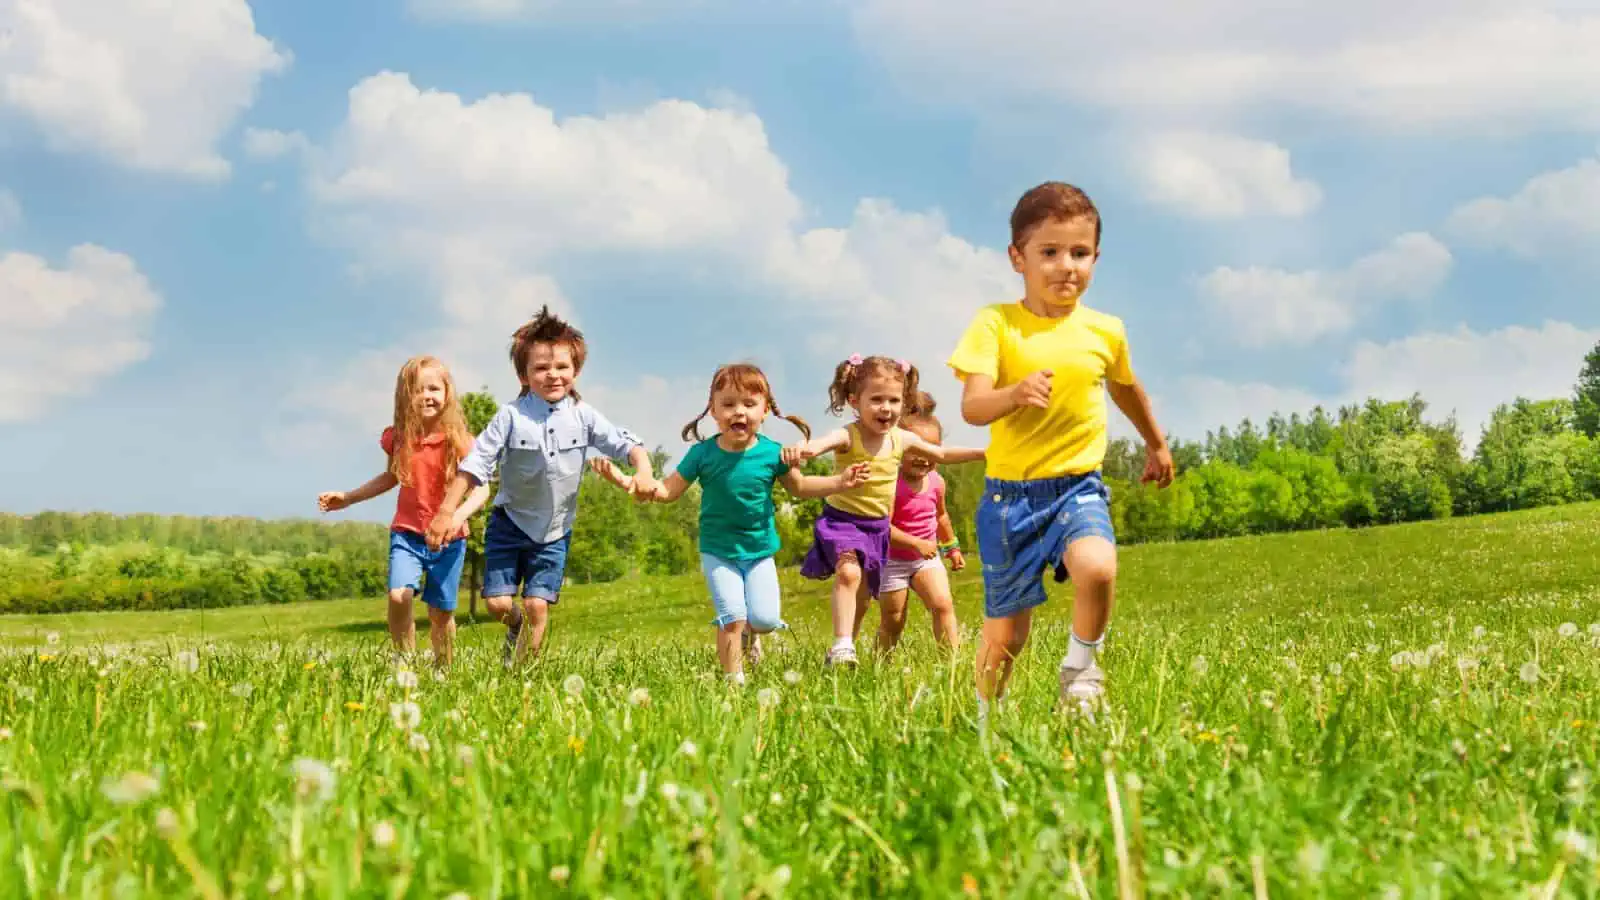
[[400, 597], [499, 607], [1092, 563], [537, 609]]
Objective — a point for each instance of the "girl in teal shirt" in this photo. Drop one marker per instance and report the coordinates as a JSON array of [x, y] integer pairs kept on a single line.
[[736, 469]]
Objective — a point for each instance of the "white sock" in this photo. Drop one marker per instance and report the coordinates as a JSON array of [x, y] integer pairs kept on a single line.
[[736, 678], [844, 643], [1080, 653]]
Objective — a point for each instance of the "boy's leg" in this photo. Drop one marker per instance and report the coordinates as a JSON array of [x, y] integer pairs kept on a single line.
[[546, 571], [933, 586], [726, 584], [1091, 562], [998, 648], [504, 552], [535, 619]]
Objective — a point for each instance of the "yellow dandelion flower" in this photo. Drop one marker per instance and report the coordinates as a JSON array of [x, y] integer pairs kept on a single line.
[[355, 706], [1207, 737], [45, 657], [969, 885], [576, 743]]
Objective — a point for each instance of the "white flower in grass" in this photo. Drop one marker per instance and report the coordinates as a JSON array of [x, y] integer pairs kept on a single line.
[[781, 875], [383, 835], [166, 823], [639, 697], [406, 715], [669, 790], [5, 734], [573, 686], [52, 638], [1575, 844], [419, 742], [405, 679], [1568, 629], [1594, 629], [313, 779], [1200, 666], [24, 692], [1269, 699], [131, 789], [791, 677], [560, 874], [687, 748], [197, 726], [766, 698], [187, 661], [1466, 664], [242, 690], [1529, 672], [1335, 669], [1479, 632], [465, 755]]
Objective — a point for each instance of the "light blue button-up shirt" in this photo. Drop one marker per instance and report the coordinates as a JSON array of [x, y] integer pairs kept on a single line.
[[541, 449]]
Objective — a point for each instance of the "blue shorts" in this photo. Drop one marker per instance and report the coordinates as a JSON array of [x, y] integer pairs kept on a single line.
[[1024, 529], [512, 559], [410, 558]]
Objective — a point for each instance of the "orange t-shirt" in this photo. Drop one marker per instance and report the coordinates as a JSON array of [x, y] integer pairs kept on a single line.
[[420, 500]]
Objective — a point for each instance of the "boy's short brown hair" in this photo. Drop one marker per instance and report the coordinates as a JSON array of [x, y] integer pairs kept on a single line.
[[1051, 201], [546, 328]]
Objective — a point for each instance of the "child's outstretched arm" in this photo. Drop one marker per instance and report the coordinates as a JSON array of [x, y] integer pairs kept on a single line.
[[1135, 404], [608, 471], [947, 538], [619, 444], [328, 501], [470, 506], [474, 471], [939, 453], [807, 487], [832, 442]]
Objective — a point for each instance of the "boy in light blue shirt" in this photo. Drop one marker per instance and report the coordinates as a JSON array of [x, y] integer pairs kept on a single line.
[[541, 443]]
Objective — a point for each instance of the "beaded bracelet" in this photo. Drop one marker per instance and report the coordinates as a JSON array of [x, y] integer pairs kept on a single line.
[[944, 549]]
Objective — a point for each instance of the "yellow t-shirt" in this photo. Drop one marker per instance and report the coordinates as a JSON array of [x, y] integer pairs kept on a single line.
[[875, 499], [1008, 343]]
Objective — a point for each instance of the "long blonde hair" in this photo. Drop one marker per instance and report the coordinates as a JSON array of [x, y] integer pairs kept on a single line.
[[408, 430]]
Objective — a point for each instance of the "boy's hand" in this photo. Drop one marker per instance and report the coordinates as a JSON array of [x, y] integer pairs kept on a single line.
[[957, 561], [856, 475], [1158, 466], [439, 530], [1034, 390], [796, 454], [328, 501]]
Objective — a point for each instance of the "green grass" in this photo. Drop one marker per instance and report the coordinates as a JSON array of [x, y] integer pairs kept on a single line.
[[1402, 710]]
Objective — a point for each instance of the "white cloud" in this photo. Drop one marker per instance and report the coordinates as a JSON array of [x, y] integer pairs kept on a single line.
[[151, 84], [10, 210], [1555, 214], [1416, 67], [547, 10], [64, 331], [1462, 372], [269, 143], [1272, 306], [1222, 176]]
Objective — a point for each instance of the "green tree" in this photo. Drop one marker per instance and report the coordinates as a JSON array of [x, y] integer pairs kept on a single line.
[[1586, 399]]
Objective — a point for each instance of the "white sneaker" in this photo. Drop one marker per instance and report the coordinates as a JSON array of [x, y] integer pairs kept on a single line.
[[841, 656], [1083, 685]]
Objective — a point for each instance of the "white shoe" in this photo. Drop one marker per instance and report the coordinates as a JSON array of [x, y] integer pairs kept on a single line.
[[1083, 685], [841, 656]]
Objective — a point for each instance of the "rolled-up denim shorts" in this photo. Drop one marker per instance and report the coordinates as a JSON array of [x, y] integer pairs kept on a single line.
[[1024, 528], [511, 559]]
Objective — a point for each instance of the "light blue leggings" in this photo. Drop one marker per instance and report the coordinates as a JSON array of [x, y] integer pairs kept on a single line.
[[744, 591]]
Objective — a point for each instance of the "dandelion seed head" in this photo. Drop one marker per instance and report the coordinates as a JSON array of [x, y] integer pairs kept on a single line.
[[131, 789], [405, 679], [639, 697], [573, 686], [383, 835], [419, 742], [766, 698], [1529, 672]]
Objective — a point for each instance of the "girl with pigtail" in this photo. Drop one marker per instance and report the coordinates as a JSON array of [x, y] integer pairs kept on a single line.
[[851, 537], [736, 469]]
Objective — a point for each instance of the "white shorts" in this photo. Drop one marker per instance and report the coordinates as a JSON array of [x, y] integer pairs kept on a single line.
[[897, 573]]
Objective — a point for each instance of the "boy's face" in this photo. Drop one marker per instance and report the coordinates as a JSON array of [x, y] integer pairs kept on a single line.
[[1057, 261], [550, 371]]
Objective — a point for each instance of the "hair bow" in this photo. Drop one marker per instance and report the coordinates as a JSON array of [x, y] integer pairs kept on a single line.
[[905, 365], [855, 359]]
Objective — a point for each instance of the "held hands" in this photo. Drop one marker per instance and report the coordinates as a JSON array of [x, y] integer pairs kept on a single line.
[[1157, 466], [440, 529], [795, 454], [856, 475], [328, 501], [1034, 390]]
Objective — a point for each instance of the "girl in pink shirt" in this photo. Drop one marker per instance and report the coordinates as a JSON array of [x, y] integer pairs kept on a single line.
[[919, 534]]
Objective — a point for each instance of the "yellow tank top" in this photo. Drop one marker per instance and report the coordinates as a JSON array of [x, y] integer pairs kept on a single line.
[[875, 499]]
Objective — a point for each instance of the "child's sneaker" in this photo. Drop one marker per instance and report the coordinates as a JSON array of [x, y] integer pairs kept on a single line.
[[510, 647], [752, 647], [1083, 685], [841, 656]]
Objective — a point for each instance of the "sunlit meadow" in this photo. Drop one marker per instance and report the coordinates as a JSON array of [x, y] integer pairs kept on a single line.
[[1405, 712]]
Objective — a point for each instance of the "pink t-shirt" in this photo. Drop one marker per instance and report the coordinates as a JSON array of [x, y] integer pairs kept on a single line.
[[917, 514]]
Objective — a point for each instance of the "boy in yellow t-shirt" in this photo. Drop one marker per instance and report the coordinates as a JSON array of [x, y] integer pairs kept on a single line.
[[1037, 372]]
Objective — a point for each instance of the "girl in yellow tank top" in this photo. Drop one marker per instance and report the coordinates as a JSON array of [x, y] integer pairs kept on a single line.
[[850, 540]]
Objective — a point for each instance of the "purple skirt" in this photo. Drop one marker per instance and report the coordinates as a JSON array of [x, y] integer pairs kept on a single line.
[[837, 532]]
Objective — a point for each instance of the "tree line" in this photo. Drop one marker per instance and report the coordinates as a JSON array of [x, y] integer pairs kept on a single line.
[[1372, 463]]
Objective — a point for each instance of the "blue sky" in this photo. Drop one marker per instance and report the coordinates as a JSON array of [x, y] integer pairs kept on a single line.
[[211, 268]]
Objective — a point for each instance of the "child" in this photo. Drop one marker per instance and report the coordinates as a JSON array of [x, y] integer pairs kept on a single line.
[[1034, 370], [851, 537], [539, 442], [919, 534], [736, 469], [424, 445]]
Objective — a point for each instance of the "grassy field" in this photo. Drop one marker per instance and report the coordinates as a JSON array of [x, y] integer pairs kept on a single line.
[[1405, 712]]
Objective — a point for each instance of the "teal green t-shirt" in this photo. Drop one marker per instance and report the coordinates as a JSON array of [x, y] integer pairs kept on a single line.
[[736, 509]]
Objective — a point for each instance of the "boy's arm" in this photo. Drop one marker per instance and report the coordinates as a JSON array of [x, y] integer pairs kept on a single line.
[[939, 453], [808, 487], [474, 470], [469, 507], [334, 500], [608, 471], [982, 402], [832, 442], [621, 445], [1135, 404]]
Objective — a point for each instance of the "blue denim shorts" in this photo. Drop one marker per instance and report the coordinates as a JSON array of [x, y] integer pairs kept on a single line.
[[410, 558], [512, 559], [1025, 527]]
